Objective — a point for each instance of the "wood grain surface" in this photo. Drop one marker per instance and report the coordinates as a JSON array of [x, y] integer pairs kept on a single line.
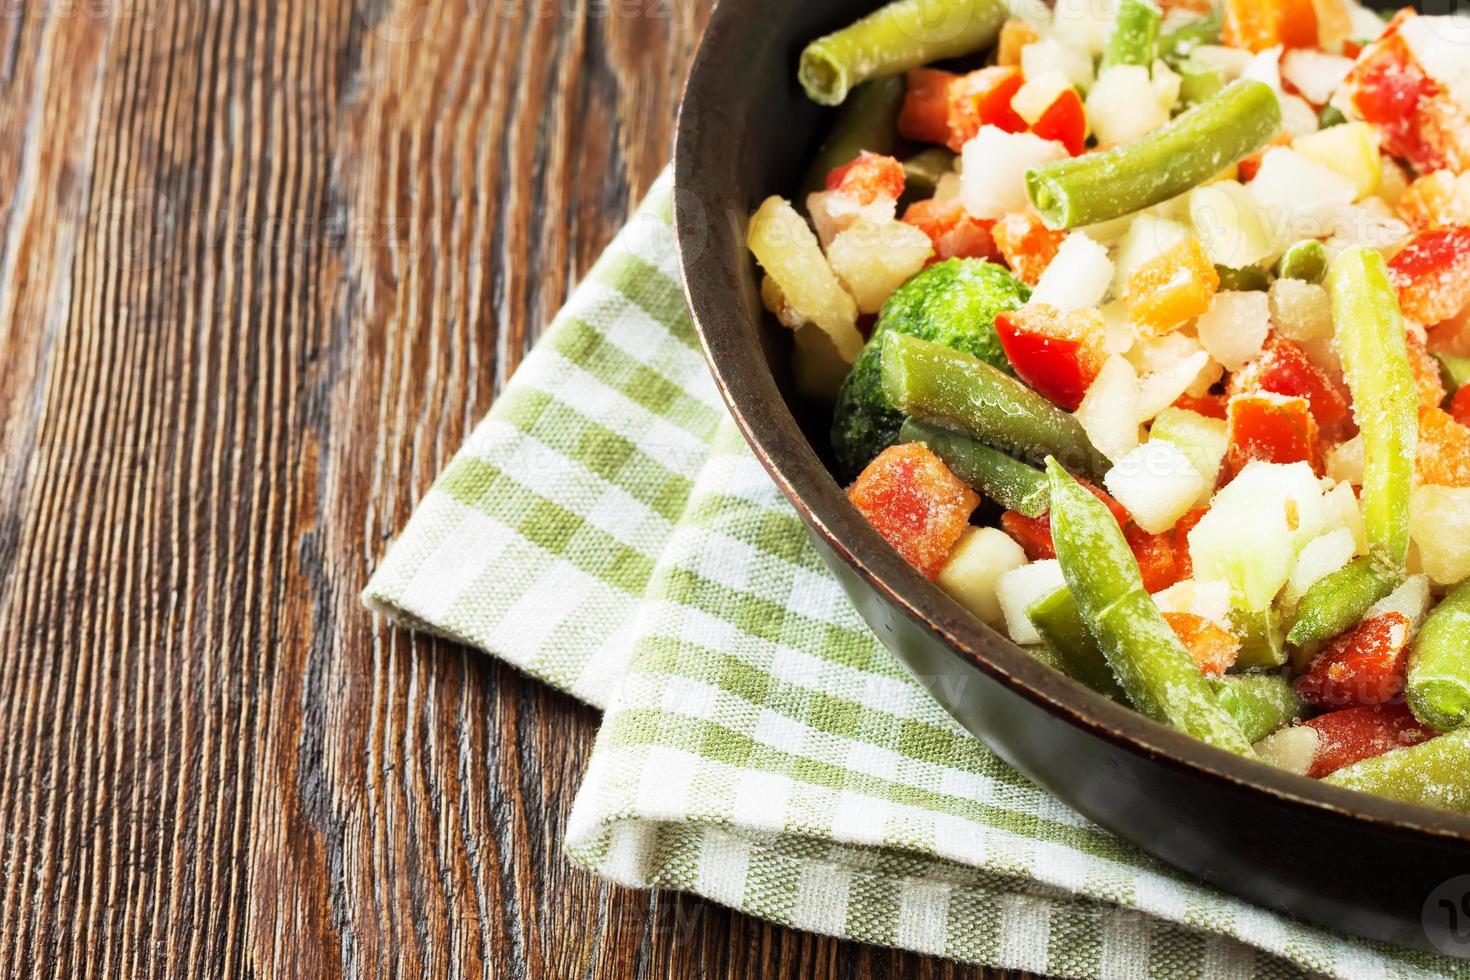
[[262, 264]]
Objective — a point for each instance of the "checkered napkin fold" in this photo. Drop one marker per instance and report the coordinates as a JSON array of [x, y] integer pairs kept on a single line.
[[606, 529]]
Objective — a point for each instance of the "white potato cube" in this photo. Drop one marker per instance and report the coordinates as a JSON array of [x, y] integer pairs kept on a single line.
[[1342, 510], [1084, 25], [1265, 66], [1300, 191], [1230, 61], [1207, 599], [1019, 588], [1079, 275], [974, 569], [1052, 57], [1147, 237], [1204, 440], [1298, 118], [1345, 461], [1157, 483], [948, 188], [1439, 45], [1350, 150], [1160, 389], [1040, 91], [1439, 522], [1315, 74], [788, 251], [1232, 226], [1302, 311], [874, 260], [1321, 556], [1234, 328], [1109, 410], [1410, 600], [1293, 749], [834, 212], [1122, 105], [993, 179], [1167, 83]]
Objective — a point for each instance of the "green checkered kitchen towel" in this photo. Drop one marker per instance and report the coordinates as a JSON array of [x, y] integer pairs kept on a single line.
[[606, 529]]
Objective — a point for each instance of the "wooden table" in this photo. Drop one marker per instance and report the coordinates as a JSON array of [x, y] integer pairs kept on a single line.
[[262, 265]]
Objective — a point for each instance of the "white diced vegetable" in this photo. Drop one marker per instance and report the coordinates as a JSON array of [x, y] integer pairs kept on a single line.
[[1314, 73], [1120, 333], [1230, 61], [1410, 600], [1234, 328], [1147, 237], [1051, 57], [1342, 510], [834, 212], [1167, 83], [1232, 226], [1301, 191], [1265, 66], [1321, 556], [1079, 275], [874, 260], [788, 251], [1157, 483], [1161, 389], [974, 570], [1109, 411], [1122, 105], [1208, 599], [1039, 92], [1302, 311], [1083, 25], [1019, 588], [1293, 749], [993, 179], [1366, 24], [1345, 461], [1439, 522], [1204, 440], [1439, 44], [1368, 224], [1298, 118]]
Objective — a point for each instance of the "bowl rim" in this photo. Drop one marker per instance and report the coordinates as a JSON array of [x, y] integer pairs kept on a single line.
[[748, 388]]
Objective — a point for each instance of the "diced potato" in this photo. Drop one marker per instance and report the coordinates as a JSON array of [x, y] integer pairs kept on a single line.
[[1050, 56], [1298, 118], [1345, 461], [1292, 749], [993, 178], [1018, 588], [1122, 105], [1230, 61], [1315, 74], [1438, 44], [1157, 483], [1207, 599], [1342, 510], [834, 212], [787, 249], [1160, 389], [1037, 95], [1410, 600], [974, 570], [1120, 333], [1349, 149], [1232, 226], [1369, 224], [1204, 440], [1265, 66], [1302, 311], [874, 260], [1439, 522], [1302, 191], [1234, 328], [1147, 237], [1083, 25], [1321, 556], [948, 188], [1109, 412], [1166, 84], [1079, 275]]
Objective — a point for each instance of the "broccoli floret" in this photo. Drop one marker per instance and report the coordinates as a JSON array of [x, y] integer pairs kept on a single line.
[[952, 303]]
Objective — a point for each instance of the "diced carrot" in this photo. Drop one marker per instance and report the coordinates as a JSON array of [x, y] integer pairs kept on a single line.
[[1273, 428], [1181, 530], [1251, 24], [955, 234], [1014, 35], [1157, 561], [1210, 405], [1172, 287], [1296, 23], [983, 98], [1214, 649], [1365, 665], [1432, 274], [924, 117], [1354, 734], [1460, 406], [867, 178], [1058, 354], [1283, 368], [1033, 534], [916, 503], [1442, 456], [1064, 121], [1427, 377], [1027, 245]]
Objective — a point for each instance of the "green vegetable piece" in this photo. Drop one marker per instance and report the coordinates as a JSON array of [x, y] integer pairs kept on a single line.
[[923, 170], [1262, 639], [952, 303], [1434, 773], [1375, 359], [1246, 279], [901, 35], [1338, 601], [1060, 624], [1135, 37], [1455, 370], [1439, 666], [1046, 655], [1176, 45], [1190, 149], [1004, 479], [1306, 260], [1198, 83], [1259, 703], [1145, 655], [1330, 116], [867, 121], [949, 388]]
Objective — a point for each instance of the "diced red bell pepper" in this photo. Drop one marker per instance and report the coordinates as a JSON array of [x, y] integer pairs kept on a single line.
[[1033, 534], [1157, 561], [1014, 35], [1065, 121], [1057, 354], [1273, 428], [1437, 200], [1172, 287], [916, 503], [1213, 649], [1442, 455], [1181, 530], [955, 234], [924, 116], [867, 178], [1365, 665], [1210, 405], [1432, 274], [1283, 368], [942, 107], [1354, 734], [1416, 119], [1027, 245], [1460, 406]]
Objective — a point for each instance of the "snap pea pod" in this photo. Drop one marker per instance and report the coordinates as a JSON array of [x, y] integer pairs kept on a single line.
[[1145, 655], [1259, 703], [1434, 773], [1306, 260], [894, 38], [1375, 359], [1194, 146], [1339, 600], [1246, 279], [1004, 479], [1056, 618], [938, 384], [867, 121], [923, 170], [1439, 666], [1135, 36], [1177, 44]]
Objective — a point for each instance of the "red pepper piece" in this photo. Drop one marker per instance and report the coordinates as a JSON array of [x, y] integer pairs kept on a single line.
[[1157, 561], [1365, 665], [1273, 428], [953, 231], [1033, 534], [1209, 404], [1460, 406], [867, 178], [942, 107], [1354, 734], [1213, 649], [924, 116], [916, 503], [1065, 121], [1180, 532], [1283, 368], [1432, 274], [1027, 245], [1057, 354], [1416, 119]]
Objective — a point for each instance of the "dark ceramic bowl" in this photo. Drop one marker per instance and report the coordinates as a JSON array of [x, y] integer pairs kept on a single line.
[[1338, 858]]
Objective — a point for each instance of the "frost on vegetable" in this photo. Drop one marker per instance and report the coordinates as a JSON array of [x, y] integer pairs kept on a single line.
[[786, 248], [1157, 482], [1109, 412], [993, 178], [874, 260], [913, 500], [1439, 522], [1078, 276], [1021, 587], [1235, 326], [973, 572]]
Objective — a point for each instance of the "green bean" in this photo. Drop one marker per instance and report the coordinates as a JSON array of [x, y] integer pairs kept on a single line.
[[1262, 643], [1188, 150], [1439, 666], [1455, 370], [1434, 773], [1046, 655], [1004, 479], [1145, 654], [1246, 279], [901, 35], [1056, 618], [1306, 260], [1135, 37], [1198, 83], [1259, 703], [1338, 601], [1330, 116], [1179, 43], [946, 387], [868, 121], [923, 170], [1375, 359]]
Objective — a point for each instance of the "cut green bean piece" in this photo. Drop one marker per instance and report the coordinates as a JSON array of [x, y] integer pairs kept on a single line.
[[1262, 639], [1375, 359], [1306, 260], [1135, 36], [1330, 116], [1246, 279], [1002, 478], [1188, 150], [1439, 666], [1198, 83], [1434, 773], [1177, 44], [1339, 600], [867, 121], [923, 170], [946, 387], [1146, 656], [1259, 703], [1060, 624], [891, 40], [1455, 370]]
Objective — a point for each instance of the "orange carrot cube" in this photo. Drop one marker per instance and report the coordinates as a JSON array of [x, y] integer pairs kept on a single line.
[[916, 503], [1273, 428], [1027, 245], [1172, 287], [1427, 377], [1443, 454], [1214, 649]]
